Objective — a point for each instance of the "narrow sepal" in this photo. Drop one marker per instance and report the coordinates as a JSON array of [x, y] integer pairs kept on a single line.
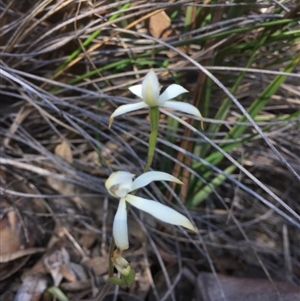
[[136, 90], [183, 107], [151, 176], [126, 109], [171, 92], [160, 211], [120, 230]]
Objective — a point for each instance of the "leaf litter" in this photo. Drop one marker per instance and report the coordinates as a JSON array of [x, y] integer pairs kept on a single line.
[[57, 151]]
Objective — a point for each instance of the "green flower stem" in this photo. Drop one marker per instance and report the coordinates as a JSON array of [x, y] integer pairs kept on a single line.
[[154, 119]]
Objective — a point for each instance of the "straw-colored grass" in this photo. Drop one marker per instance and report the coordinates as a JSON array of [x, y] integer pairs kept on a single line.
[[66, 65]]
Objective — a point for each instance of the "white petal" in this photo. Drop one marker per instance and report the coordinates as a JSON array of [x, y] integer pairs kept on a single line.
[[125, 109], [119, 183], [171, 92], [160, 211], [136, 90], [150, 89], [120, 231], [183, 107], [151, 176]]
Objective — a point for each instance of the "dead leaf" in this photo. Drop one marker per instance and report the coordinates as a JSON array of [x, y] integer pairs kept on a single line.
[[160, 25], [79, 271], [10, 243], [31, 289], [60, 267], [92, 157], [57, 264], [64, 151], [39, 267], [97, 264], [20, 253], [9, 234], [87, 240]]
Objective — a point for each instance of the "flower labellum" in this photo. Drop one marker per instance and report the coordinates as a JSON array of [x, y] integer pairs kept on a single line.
[[120, 263], [120, 184], [149, 92]]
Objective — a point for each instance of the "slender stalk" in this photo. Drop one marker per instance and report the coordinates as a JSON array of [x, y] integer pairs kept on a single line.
[[107, 285], [154, 119], [111, 250]]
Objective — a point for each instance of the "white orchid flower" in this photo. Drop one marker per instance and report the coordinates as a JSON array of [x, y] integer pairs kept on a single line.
[[149, 91], [121, 183]]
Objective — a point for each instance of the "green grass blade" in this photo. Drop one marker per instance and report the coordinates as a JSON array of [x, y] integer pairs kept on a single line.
[[237, 131], [208, 189], [262, 100]]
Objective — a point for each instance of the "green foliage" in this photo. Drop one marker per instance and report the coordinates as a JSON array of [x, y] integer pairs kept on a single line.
[[57, 293]]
